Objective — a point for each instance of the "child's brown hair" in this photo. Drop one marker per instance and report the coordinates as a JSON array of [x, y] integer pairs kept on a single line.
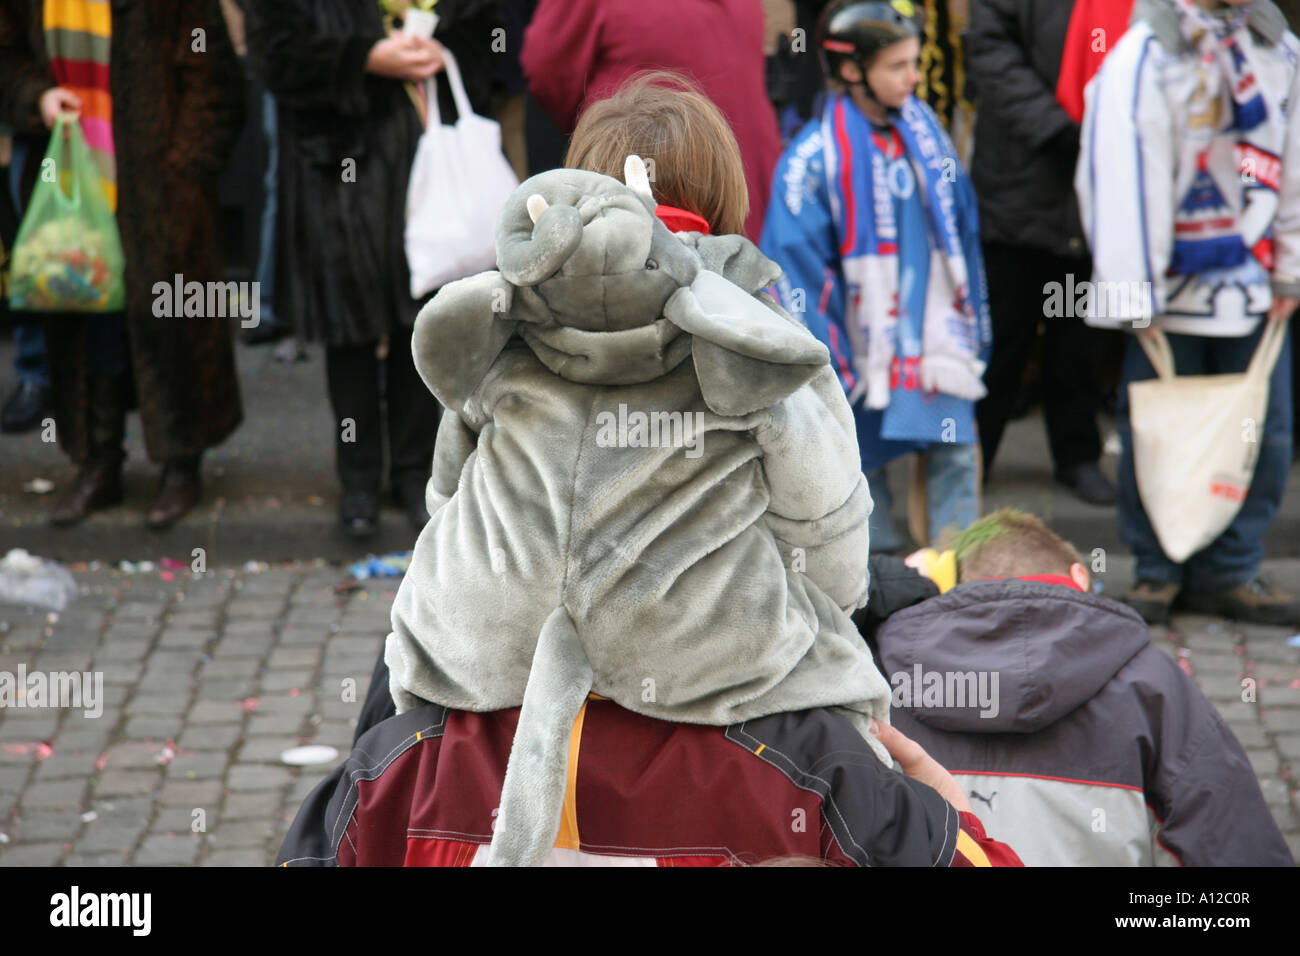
[[689, 149], [1008, 544]]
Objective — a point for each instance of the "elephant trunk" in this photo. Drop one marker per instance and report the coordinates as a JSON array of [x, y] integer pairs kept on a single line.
[[530, 253]]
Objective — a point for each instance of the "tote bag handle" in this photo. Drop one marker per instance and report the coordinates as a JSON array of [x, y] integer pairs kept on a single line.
[[1156, 345], [73, 151], [458, 95]]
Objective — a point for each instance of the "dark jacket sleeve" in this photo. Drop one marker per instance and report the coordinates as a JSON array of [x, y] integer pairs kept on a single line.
[[24, 72], [308, 842], [1010, 89], [893, 587], [305, 69], [1201, 785], [210, 109]]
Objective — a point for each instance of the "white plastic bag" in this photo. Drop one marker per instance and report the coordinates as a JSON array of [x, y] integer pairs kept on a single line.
[[28, 580], [1196, 440], [460, 182]]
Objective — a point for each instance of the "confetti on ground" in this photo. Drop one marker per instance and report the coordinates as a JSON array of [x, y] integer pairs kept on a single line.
[[383, 566], [249, 704], [38, 486], [166, 755], [89, 816], [102, 762], [1293, 641]]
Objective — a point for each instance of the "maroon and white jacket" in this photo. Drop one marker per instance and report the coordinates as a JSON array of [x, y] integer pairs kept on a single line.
[[421, 789]]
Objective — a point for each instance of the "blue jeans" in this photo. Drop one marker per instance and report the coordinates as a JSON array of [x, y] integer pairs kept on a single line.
[[952, 498], [30, 362], [1233, 557]]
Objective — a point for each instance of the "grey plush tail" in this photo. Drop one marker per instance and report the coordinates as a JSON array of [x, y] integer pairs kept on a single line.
[[532, 797]]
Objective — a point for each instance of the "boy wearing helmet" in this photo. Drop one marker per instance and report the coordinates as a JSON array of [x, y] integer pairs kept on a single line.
[[874, 222]]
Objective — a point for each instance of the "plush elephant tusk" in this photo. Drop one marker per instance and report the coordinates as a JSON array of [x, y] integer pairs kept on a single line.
[[636, 177], [536, 206]]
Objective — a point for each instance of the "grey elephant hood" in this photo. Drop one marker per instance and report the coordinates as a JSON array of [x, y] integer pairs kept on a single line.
[[1051, 648], [641, 354]]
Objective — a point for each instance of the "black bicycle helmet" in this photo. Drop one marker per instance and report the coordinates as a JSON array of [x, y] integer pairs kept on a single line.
[[856, 30]]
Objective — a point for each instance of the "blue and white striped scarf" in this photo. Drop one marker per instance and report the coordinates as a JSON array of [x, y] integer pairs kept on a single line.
[[916, 310]]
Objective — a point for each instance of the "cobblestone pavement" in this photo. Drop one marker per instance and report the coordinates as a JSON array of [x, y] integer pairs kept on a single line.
[[208, 678]]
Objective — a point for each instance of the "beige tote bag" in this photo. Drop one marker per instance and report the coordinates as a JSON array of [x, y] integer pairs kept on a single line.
[[1195, 442]]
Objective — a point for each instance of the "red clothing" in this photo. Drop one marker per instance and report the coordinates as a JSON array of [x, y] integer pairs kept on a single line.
[[421, 789], [1095, 28], [576, 51]]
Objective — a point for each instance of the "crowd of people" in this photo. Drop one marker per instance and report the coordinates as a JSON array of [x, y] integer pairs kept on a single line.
[[764, 224]]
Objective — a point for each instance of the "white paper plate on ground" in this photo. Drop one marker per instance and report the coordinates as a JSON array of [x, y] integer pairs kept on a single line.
[[306, 756]]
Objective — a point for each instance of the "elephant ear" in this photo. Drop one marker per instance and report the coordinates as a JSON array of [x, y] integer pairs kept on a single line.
[[747, 356], [737, 260], [460, 333]]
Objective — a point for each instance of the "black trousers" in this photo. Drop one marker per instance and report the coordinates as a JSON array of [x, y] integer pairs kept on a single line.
[[1071, 354], [362, 388]]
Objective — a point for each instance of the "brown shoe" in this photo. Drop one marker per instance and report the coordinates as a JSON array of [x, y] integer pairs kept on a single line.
[[99, 480], [178, 492], [1255, 602], [98, 485], [1152, 600]]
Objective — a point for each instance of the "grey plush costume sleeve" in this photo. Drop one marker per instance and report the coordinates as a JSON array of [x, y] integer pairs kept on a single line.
[[454, 445], [820, 526]]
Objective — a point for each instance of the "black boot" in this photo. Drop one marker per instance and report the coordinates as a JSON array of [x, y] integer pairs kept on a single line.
[[179, 490], [99, 480]]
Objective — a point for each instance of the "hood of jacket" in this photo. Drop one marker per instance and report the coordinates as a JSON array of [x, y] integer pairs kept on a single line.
[[1268, 22], [1007, 656]]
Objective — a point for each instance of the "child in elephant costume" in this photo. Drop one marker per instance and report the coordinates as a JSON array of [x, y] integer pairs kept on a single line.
[[646, 487]]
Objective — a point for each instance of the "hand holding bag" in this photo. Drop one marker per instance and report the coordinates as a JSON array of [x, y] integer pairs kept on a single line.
[[1196, 440], [460, 181]]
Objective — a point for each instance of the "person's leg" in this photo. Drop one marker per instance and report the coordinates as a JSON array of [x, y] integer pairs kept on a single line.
[[413, 416], [352, 374], [1015, 302], [950, 478], [1158, 579], [1071, 352], [1234, 557], [885, 538], [30, 399], [30, 362], [100, 427]]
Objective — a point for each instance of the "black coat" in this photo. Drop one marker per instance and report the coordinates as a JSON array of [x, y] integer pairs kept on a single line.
[[1026, 145], [347, 140]]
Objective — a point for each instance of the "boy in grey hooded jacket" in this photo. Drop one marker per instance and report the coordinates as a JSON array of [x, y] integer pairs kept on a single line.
[[1076, 738]]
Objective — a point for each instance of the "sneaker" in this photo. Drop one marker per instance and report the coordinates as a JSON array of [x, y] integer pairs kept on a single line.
[[1255, 602], [1088, 483], [1152, 600]]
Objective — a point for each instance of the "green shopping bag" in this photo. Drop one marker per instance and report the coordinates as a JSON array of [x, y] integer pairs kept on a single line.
[[68, 254]]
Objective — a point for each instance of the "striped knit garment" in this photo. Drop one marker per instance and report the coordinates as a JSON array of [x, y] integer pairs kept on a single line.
[[77, 36]]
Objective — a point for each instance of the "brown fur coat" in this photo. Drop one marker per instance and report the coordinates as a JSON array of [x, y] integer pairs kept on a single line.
[[176, 114]]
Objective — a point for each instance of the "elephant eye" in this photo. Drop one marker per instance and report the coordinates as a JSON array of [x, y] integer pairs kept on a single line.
[[651, 264]]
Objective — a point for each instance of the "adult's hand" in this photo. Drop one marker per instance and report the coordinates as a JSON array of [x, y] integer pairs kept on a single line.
[[58, 100], [404, 57], [919, 765], [1283, 306]]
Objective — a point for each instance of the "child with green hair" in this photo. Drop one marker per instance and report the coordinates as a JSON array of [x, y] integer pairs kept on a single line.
[[1050, 706]]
